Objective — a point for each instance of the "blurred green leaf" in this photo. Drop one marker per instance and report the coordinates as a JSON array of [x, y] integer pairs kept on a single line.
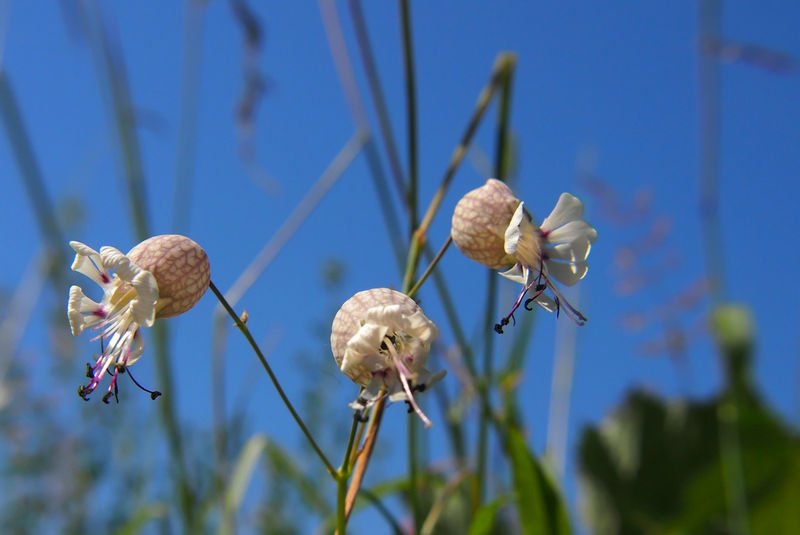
[[655, 467], [484, 519], [242, 473], [541, 509], [141, 517]]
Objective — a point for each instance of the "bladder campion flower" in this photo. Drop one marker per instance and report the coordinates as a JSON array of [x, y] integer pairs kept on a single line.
[[161, 277], [491, 226], [380, 339]]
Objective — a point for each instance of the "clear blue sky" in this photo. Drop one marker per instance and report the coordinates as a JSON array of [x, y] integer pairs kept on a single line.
[[612, 83]]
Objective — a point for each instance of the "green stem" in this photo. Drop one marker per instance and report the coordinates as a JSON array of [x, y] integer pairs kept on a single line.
[[411, 111], [343, 474], [246, 332], [486, 380], [430, 267], [503, 62], [413, 471], [381, 110], [500, 171]]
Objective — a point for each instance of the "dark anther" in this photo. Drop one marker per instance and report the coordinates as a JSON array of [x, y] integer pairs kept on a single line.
[[107, 397], [419, 388], [84, 392], [153, 393], [540, 287], [89, 373], [528, 303], [498, 327]]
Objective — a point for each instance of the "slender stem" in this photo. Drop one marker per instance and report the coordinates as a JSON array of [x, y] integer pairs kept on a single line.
[[343, 475], [366, 453], [411, 203], [411, 113], [246, 332], [709, 139], [413, 471], [486, 380], [500, 171], [503, 63], [430, 267], [384, 511], [381, 110]]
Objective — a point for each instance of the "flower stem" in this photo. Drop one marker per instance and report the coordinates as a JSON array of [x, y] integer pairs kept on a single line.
[[246, 332], [362, 461], [411, 113], [430, 267], [502, 64], [343, 475]]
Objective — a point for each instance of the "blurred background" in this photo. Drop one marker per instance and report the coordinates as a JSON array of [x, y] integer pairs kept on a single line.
[[259, 129]]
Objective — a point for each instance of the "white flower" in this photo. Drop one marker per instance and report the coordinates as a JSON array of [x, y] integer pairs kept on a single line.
[[161, 277], [533, 255], [380, 339]]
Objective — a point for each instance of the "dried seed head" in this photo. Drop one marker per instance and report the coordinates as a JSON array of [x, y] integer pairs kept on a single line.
[[479, 224], [180, 267]]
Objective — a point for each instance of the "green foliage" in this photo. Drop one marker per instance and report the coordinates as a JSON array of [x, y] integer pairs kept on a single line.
[[723, 465], [541, 509]]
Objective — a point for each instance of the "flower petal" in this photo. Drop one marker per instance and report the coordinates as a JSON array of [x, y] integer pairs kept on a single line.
[[88, 262], [136, 349], [568, 208], [366, 341], [575, 251], [514, 230], [567, 273], [79, 309], [143, 307], [518, 273], [572, 231], [546, 302]]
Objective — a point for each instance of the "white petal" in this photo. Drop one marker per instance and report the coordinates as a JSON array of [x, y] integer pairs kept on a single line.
[[575, 251], [518, 273], [546, 302], [572, 231], [567, 273], [369, 395], [136, 349], [367, 341], [88, 262], [143, 307], [396, 318], [77, 306], [568, 208], [514, 230], [428, 378]]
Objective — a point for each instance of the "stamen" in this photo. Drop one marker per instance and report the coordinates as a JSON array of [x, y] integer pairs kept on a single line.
[[402, 373], [153, 393], [572, 312]]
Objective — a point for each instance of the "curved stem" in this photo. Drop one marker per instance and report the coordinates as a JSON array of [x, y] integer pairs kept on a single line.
[[242, 327], [503, 64], [430, 267]]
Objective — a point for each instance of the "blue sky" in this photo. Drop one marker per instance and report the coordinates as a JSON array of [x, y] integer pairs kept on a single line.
[[614, 85]]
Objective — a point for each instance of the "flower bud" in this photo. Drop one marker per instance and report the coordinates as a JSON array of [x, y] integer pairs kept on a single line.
[[180, 267], [479, 224]]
